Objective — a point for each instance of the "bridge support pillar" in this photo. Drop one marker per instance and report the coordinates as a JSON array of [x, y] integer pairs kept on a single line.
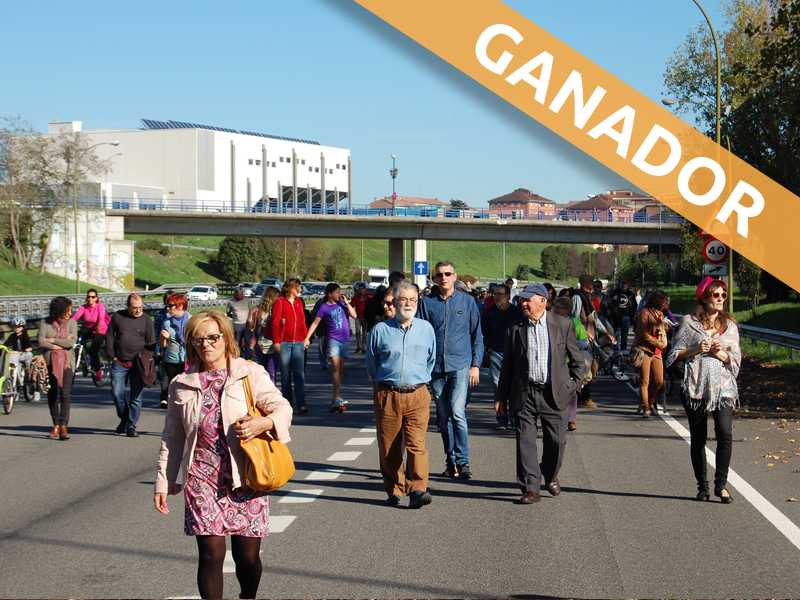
[[395, 255], [420, 253]]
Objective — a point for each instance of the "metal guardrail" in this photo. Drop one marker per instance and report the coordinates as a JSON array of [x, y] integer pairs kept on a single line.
[[341, 208], [772, 337]]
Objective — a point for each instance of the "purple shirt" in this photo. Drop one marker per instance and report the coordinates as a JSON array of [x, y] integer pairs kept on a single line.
[[335, 316]]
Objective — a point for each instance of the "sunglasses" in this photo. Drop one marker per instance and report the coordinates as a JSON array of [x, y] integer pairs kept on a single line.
[[171, 305], [388, 303], [722, 295], [444, 274], [90, 297], [212, 339]]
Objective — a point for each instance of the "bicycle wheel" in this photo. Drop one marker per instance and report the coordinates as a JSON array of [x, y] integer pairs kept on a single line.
[[619, 368], [9, 392], [105, 370]]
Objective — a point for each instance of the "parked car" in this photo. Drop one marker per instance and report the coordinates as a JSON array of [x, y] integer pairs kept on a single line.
[[316, 288], [273, 281], [248, 289], [202, 292]]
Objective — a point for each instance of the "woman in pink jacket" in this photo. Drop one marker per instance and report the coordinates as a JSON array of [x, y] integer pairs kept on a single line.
[[95, 324], [206, 424]]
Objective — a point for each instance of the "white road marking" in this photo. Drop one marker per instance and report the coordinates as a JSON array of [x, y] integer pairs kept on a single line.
[[344, 456], [278, 524], [370, 429], [359, 441], [300, 497], [324, 474], [780, 521]]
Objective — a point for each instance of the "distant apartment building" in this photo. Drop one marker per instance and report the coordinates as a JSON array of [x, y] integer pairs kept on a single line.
[[523, 202]]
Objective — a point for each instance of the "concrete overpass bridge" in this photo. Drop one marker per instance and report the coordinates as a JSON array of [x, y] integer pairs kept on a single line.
[[397, 228]]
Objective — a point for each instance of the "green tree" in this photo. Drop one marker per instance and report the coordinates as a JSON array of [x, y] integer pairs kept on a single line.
[[692, 260], [522, 272], [458, 203], [339, 267], [557, 263], [748, 279], [589, 258], [245, 258]]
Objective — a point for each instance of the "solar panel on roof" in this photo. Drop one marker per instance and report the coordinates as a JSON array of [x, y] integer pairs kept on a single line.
[[153, 124]]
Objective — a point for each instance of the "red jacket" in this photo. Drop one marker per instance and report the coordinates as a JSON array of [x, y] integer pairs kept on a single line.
[[288, 321], [359, 304]]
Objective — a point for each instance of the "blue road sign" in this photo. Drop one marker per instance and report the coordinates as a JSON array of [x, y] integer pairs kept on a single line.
[[420, 267]]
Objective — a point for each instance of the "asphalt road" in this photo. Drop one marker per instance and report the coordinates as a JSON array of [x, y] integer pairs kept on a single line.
[[78, 517]]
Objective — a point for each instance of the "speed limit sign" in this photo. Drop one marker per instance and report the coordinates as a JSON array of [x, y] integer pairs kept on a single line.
[[715, 252]]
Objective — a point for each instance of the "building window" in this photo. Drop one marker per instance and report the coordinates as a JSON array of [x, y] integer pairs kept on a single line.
[[330, 171], [338, 166], [316, 169], [250, 162], [344, 167], [310, 169], [258, 162], [302, 162], [273, 164], [281, 159]]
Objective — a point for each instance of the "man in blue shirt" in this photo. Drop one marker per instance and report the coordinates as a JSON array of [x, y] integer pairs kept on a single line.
[[400, 355], [459, 352]]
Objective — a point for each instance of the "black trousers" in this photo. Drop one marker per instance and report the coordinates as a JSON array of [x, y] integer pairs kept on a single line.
[[539, 405], [698, 428], [172, 370], [59, 411], [98, 341]]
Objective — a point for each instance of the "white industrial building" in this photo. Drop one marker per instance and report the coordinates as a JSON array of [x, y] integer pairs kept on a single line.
[[186, 165]]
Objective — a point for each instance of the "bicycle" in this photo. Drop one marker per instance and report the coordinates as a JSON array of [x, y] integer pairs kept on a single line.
[[14, 377], [84, 362], [617, 365]]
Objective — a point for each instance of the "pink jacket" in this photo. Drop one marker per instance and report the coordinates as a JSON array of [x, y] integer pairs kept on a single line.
[[95, 318], [183, 415]]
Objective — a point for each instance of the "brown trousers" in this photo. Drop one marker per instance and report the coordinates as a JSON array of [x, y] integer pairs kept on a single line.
[[401, 421], [651, 379]]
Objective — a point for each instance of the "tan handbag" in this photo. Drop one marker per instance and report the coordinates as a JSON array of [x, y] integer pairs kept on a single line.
[[268, 463]]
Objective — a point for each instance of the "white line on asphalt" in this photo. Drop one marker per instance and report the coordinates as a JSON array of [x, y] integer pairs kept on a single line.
[[369, 429], [359, 441], [781, 522], [301, 496], [279, 523], [344, 456], [324, 474]]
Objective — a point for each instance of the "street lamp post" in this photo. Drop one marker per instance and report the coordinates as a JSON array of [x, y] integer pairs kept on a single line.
[[75, 203], [105, 186], [393, 173]]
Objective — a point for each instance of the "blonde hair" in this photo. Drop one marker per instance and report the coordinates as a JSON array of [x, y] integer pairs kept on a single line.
[[267, 300], [225, 328]]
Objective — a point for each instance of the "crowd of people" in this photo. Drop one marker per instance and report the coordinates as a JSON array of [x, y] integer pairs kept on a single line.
[[541, 347]]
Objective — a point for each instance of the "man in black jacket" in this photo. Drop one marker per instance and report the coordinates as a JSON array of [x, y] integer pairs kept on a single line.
[[129, 331], [624, 301], [542, 368]]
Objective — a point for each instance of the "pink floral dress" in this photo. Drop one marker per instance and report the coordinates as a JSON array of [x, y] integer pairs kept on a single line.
[[213, 507]]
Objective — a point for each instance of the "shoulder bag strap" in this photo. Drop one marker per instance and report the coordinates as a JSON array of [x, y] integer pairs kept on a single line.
[[248, 394]]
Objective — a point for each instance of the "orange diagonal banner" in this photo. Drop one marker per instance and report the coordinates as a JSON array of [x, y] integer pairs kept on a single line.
[[609, 120]]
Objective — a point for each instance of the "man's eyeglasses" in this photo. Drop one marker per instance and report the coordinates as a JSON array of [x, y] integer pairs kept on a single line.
[[444, 274], [212, 339], [407, 300], [717, 295]]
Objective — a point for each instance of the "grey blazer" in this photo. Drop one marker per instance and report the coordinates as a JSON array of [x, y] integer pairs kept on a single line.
[[566, 363]]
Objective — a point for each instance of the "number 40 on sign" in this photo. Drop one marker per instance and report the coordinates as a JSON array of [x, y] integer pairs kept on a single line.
[[715, 251]]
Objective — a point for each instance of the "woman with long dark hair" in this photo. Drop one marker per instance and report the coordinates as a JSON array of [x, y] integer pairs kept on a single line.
[[57, 336], [651, 337], [708, 342], [205, 427], [335, 312], [260, 323]]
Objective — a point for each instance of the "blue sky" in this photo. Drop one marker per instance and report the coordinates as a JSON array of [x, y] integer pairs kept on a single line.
[[330, 71]]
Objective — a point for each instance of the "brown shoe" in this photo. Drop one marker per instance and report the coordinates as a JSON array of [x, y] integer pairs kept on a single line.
[[529, 498], [54, 433], [62, 433], [571, 426], [590, 403], [554, 487]]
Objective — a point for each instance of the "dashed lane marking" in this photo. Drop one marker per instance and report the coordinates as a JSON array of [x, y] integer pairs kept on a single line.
[[279, 523], [336, 456], [359, 441], [780, 521], [300, 497], [370, 429], [324, 474]]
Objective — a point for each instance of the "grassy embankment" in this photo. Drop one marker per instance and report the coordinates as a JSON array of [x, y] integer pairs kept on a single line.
[[14, 282]]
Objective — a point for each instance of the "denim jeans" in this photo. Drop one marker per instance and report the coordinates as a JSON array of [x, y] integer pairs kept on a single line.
[[292, 354], [127, 409], [623, 333], [495, 364], [322, 349], [450, 395]]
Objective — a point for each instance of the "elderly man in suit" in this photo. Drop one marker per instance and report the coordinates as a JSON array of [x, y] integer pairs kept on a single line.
[[542, 368]]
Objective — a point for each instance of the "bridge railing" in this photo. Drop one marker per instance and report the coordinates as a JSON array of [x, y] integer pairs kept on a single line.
[[344, 209]]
